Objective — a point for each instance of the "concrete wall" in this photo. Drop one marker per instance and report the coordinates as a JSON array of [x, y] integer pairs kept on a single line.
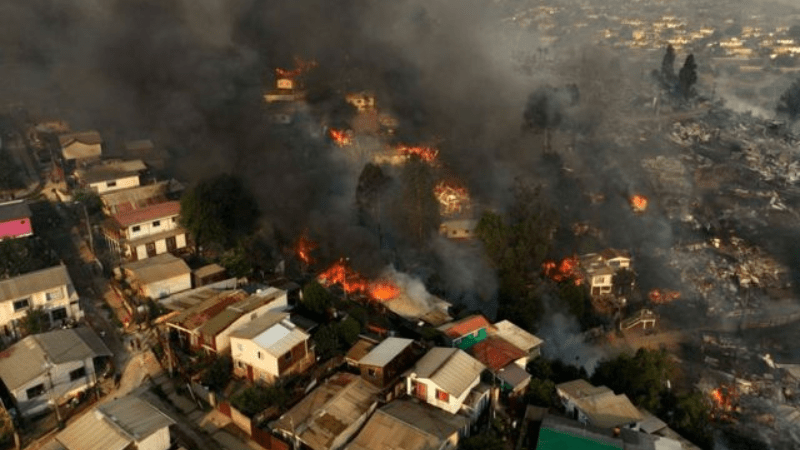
[[120, 183], [140, 252], [248, 354], [164, 288], [149, 227], [453, 405]]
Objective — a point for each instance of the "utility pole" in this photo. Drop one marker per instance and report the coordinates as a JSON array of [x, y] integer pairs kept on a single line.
[[49, 367], [88, 228]]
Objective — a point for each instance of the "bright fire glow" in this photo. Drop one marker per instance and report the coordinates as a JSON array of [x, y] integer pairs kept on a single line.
[[639, 203], [354, 283], [300, 67], [452, 198], [340, 137], [304, 248], [567, 269], [716, 395], [427, 154], [661, 296]]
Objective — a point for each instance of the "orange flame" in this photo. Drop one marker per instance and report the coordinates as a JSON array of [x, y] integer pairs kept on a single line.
[[639, 203], [340, 137], [304, 248], [354, 283], [300, 67], [427, 154], [451, 197], [716, 395], [661, 296], [567, 269]]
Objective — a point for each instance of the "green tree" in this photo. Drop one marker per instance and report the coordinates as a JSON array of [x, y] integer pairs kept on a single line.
[[419, 208], [789, 103], [327, 342], [576, 298], [642, 377], [316, 298], [236, 261], [687, 77], [219, 210], [36, 320], [91, 200], [540, 393], [348, 331], [218, 374], [257, 398]]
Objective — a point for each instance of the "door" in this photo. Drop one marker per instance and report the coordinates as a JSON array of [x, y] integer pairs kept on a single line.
[[250, 372], [151, 249], [420, 390], [171, 244]]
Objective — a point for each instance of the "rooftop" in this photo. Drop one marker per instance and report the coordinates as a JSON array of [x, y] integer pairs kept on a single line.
[[14, 210], [90, 137], [563, 434], [225, 317], [603, 408], [359, 350], [273, 332], [465, 326], [496, 352], [385, 352], [158, 268], [450, 368], [33, 282], [110, 170], [517, 336], [210, 304], [26, 359], [147, 213], [138, 197]]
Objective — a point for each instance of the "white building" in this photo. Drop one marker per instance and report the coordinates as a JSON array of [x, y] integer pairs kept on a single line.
[[111, 175], [598, 406], [444, 377], [599, 269], [146, 232], [270, 347], [127, 423], [51, 367], [159, 276], [81, 146], [51, 289]]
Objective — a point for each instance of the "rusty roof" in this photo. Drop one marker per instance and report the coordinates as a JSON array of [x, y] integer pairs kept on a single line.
[[466, 326], [151, 212], [496, 352]]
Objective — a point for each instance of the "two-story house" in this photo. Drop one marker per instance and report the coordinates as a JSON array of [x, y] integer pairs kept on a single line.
[[111, 175], [599, 269], [159, 276], [51, 289], [15, 220], [128, 423], [466, 332], [384, 363], [598, 406], [269, 347], [81, 146], [46, 368], [444, 377], [146, 232]]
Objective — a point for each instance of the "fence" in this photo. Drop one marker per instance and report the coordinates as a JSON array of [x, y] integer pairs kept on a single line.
[[261, 437]]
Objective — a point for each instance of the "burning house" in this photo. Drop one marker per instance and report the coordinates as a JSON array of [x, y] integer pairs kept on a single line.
[[599, 269]]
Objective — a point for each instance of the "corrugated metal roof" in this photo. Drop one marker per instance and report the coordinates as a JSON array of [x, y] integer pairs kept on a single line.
[[359, 350], [259, 325], [321, 417], [406, 425], [114, 425], [385, 352], [496, 352], [516, 335], [450, 368], [158, 268], [604, 408], [151, 212], [208, 270], [33, 282], [514, 375], [135, 197], [110, 170], [25, 360], [198, 314], [466, 326], [14, 210], [223, 319]]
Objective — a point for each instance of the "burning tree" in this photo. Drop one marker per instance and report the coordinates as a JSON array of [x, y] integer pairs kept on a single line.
[[661, 296], [304, 247]]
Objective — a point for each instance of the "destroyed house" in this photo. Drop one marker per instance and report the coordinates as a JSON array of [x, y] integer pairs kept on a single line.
[[409, 425], [126, 423], [50, 289], [15, 220], [330, 415], [444, 378], [146, 232], [599, 269], [159, 276], [466, 332], [111, 175], [387, 360], [598, 406], [83, 146], [51, 367], [270, 347]]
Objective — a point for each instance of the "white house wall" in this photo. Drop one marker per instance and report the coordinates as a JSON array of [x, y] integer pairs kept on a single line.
[[453, 405], [67, 293], [149, 228], [248, 354], [121, 183], [164, 288], [63, 386]]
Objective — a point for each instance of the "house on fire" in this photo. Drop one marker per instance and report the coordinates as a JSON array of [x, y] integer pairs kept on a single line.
[[111, 175], [15, 220], [449, 379], [81, 147], [599, 269], [330, 415], [598, 406], [51, 367], [50, 289], [159, 276], [270, 347], [146, 232], [126, 423]]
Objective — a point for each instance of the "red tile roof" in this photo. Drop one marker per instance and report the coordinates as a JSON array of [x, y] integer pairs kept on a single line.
[[467, 325], [496, 352], [160, 210]]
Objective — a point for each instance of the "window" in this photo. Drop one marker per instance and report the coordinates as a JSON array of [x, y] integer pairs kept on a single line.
[[35, 391], [136, 228], [157, 223], [442, 396], [372, 373], [59, 314], [54, 295], [111, 183], [174, 219], [80, 372], [22, 304], [240, 364], [259, 355], [288, 356]]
